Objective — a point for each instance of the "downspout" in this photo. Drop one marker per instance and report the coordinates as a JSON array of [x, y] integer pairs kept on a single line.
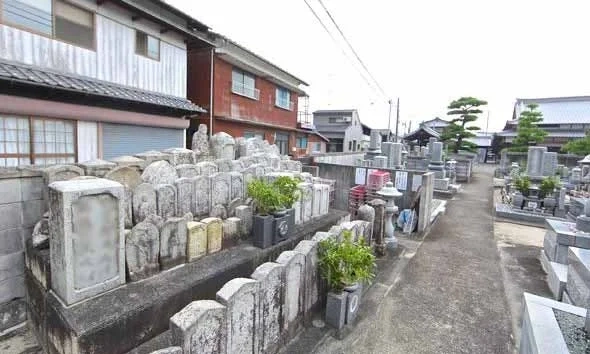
[[211, 96]]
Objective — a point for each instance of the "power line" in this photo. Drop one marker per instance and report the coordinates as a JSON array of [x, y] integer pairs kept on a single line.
[[351, 48], [371, 86]]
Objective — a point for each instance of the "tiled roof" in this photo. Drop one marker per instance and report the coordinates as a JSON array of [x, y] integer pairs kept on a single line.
[[564, 110], [550, 134], [43, 77]]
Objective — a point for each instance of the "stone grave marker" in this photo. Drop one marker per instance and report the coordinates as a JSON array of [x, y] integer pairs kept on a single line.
[[220, 188], [240, 296], [196, 240], [142, 248], [144, 202], [214, 234], [367, 213], [270, 306], [91, 213], [97, 167], [244, 212], [159, 172], [185, 195], [129, 161], [237, 166], [316, 200], [153, 156], [237, 185], [224, 165], [218, 211], [306, 201], [231, 231], [207, 168], [58, 173], [130, 178], [309, 249], [173, 242], [200, 328], [223, 146], [202, 196], [294, 263], [180, 156], [166, 200], [187, 170], [200, 144]]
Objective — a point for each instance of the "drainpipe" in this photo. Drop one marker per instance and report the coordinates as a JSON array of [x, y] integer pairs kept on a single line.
[[211, 96]]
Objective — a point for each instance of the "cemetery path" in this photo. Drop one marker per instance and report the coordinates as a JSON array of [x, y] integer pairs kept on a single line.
[[450, 297]]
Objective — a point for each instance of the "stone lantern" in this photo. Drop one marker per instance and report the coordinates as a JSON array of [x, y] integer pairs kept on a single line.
[[389, 193]]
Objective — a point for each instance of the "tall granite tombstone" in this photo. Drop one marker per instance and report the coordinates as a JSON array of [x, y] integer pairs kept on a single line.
[[223, 146], [202, 196], [270, 309], [395, 157], [240, 296], [436, 163], [549, 164], [200, 328], [534, 167], [386, 151], [200, 144], [87, 243], [142, 248], [374, 145], [294, 303], [306, 201], [166, 200], [224, 165], [185, 195], [309, 249], [378, 225], [173, 242], [316, 200], [144, 202]]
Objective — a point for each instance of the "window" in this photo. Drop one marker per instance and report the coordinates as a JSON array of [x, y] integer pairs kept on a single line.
[[244, 84], [147, 45], [254, 135], [74, 25], [53, 141], [283, 98], [350, 146], [54, 18], [317, 147], [282, 142], [302, 142], [334, 120]]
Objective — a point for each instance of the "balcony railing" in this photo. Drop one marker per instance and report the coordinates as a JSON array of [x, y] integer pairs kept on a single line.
[[243, 90], [284, 104]]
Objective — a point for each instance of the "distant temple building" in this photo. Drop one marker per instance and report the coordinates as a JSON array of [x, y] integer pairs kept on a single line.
[[564, 119]]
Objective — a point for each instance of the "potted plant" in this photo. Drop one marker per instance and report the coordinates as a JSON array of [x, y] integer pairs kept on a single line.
[[344, 265], [521, 184], [288, 188], [266, 200], [547, 189]]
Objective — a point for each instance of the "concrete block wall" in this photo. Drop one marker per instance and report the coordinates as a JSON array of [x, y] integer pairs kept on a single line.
[[21, 206]]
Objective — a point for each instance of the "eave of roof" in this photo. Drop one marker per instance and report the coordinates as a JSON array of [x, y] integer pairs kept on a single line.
[[34, 76]]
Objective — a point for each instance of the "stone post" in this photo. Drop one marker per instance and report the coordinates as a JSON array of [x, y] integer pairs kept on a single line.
[[389, 193], [379, 207], [436, 164], [395, 158], [535, 161], [374, 145]]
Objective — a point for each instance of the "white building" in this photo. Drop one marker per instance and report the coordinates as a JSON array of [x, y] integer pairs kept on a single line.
[[87, 79]]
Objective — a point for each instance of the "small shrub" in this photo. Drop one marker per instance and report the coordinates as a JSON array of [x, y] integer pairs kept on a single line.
[[266, 197], [522, 184], [548, 185], [288, 188]]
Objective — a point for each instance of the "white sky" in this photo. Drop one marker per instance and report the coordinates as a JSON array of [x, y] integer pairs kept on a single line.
[[427, 52]]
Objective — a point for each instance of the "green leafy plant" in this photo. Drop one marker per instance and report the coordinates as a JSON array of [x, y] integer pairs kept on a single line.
[[548, 185], [288, 188], [528, 130], [578, 146], [344, 263], [522, 184], [465, 110], [266, 197]]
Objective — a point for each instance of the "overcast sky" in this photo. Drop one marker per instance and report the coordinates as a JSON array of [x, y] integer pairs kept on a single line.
[[427, 52]]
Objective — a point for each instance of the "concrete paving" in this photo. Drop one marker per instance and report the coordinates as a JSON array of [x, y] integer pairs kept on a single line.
[[450, 298]]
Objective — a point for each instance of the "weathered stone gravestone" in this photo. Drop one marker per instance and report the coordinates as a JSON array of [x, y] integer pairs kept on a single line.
[[294, 263], [159, 172], [188, 171], [144, 202], [202, 196], [207, 168], [142, 248], [166, 200], [244, 212], [200, 144], [58, 173], [91, 213], [130, 178], [270, 309], [153, 156], [306, 201], [237, 166], [185, 195], [367, 213], [224, 165], [325, 199], [180, 156], [309, 249], [220, 188], [316, 200], [200, 328], [237, 185], [97, 168], [231, 231], [196, 240], [218, 211], [129, 161], [549, 164], [214, 234], [535, 161], [247, 147], [173, 242], [352, 228], [240, 296]]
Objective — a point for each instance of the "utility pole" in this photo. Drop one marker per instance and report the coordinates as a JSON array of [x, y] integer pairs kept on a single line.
[[487, 123], [397, 120], [389, 123]]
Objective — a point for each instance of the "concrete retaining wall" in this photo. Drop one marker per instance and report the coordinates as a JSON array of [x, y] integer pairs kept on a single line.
[[21, 206]]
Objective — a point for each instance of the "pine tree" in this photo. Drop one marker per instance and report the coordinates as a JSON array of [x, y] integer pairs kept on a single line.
[[579, 147], [528, 130], [467, 109]]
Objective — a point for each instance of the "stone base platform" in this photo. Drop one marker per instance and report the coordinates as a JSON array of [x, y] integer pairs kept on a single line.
[[540, 330], [506, 212], [448, 193], [122, 319], [544, 261], [578, 276], [557, 279]]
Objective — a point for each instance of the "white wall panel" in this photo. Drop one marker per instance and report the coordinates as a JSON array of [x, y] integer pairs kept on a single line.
[[87, 141]]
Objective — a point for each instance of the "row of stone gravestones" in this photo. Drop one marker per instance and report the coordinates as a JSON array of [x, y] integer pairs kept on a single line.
[[261, 313]]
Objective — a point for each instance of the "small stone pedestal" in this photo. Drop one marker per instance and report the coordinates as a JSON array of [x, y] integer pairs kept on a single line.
[[389, 193]]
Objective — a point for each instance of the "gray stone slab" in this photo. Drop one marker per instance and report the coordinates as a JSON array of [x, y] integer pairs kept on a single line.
[[270, 310], [173, 238], [10, 190], [12, 288], [557, 279], [240, 296], [201, 327], [544, 261], [32, 212], [12, 265], [10, 216], [31, 188], [11, 241], [295, 289], [309, 249], [550, 244]]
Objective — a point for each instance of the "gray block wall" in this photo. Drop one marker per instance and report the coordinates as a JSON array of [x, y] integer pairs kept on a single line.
[[21, 206]]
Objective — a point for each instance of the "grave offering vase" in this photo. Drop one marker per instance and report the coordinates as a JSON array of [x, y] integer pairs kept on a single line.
[[389, 193]]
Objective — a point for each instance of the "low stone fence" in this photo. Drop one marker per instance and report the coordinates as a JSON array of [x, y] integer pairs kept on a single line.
[[340, 158], [261, 313], [508, 157]]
